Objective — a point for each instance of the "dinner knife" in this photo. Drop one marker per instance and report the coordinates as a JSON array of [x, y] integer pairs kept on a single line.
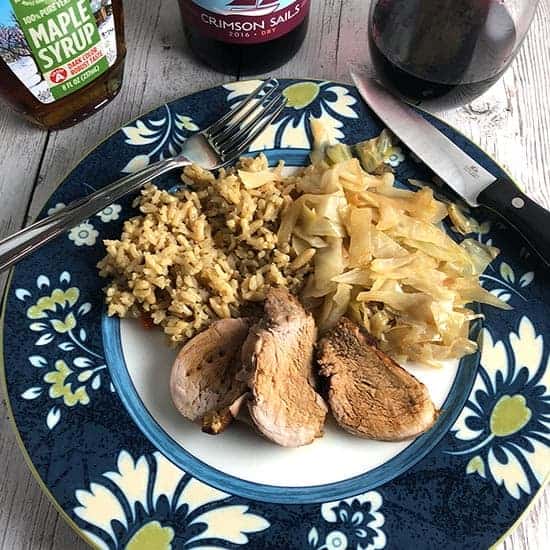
[[464, 175]]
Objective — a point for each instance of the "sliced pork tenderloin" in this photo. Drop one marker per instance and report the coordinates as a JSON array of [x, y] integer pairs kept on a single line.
[[370, 395], [203, 382], [278, 368]]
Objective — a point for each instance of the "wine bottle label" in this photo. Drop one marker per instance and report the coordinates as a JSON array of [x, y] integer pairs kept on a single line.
[[55, 47], [245, 21]]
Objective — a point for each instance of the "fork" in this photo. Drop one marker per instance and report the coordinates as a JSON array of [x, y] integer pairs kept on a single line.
[[219, 145]]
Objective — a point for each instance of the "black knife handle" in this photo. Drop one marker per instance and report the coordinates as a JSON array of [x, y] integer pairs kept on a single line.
[[507, 200]]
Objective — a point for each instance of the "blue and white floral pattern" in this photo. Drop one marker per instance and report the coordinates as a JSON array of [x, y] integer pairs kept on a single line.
[[326, 101], [84, 234], [504, 427], [500, 278], [351, 524], [506, 285], [110, 214], [158, 137], [73, 370], [54, 209], [146, 503]]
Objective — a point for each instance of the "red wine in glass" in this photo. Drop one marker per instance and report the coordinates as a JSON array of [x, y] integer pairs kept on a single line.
[[441, 53]]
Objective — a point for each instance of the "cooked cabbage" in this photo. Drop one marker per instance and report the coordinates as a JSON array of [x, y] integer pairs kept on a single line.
[[381, 256], [373, 152], [461, 222], [253, 180]]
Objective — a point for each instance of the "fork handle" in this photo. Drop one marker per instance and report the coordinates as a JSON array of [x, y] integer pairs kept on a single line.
[[19, 245]]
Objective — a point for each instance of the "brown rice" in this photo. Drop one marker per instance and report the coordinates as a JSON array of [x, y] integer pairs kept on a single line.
[[199, 254]]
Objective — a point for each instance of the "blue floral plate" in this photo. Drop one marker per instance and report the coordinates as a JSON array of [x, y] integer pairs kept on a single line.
[[89, 394]]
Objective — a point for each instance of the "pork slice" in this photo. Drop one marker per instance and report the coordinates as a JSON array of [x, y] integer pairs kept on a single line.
[[203, 381], [370, 395], [278, 361]]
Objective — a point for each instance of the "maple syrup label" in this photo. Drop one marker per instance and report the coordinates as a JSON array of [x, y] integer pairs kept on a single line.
[[245, 21], [56, 47]]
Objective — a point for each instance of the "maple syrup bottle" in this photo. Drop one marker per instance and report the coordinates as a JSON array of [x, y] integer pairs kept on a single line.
[[60, 60], [244, 37]]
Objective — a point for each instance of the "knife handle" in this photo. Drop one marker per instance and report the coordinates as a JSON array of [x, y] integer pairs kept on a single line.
[[532, 221]]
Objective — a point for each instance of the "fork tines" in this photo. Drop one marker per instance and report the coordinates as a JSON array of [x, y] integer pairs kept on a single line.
[[232, 134]]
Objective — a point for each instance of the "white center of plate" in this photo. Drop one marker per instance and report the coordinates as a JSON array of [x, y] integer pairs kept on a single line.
[[240, 451]]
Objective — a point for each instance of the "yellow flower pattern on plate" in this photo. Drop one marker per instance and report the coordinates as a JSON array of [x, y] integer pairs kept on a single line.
[[60, 389]]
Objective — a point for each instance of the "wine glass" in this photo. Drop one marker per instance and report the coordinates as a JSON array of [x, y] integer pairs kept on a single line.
[[440, 54]]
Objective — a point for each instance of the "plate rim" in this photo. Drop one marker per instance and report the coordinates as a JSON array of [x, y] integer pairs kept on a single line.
[[13, 424]]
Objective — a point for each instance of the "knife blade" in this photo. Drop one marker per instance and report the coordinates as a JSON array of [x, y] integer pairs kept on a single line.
[[449, 162], [476, 185]]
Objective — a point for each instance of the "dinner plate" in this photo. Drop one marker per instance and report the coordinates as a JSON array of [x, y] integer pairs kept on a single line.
[[91, 407]]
